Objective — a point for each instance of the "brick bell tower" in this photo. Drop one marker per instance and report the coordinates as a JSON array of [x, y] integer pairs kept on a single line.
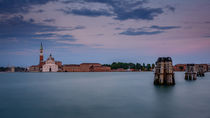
[[41, 57]]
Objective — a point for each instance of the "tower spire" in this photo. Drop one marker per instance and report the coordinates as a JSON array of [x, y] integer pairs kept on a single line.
[[41, 48]]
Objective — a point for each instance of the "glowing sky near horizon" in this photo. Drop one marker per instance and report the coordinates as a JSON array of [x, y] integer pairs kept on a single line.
[[104, 31]]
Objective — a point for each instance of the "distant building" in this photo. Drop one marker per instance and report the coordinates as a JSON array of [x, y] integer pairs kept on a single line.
[[13, 69], [59, 63], [180, 67], [86, 67], [100, 69], [50, 65], [209, 68], [34, 68], [71, 68]]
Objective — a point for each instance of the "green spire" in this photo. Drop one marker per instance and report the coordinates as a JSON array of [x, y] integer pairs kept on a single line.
[[41, 48]]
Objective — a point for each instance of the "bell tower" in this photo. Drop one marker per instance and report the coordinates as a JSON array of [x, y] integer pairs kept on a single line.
[[41, 57]]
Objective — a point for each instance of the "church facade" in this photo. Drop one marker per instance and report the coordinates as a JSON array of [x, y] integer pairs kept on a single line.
[[50, 65]]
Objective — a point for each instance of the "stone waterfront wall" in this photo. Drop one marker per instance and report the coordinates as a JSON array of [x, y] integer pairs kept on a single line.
[[100, 69]]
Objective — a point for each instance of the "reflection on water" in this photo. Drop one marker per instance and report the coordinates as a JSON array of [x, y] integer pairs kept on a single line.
[[101, 95]]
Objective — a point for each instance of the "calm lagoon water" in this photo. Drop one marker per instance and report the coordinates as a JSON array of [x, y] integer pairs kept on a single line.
[[101, 95]]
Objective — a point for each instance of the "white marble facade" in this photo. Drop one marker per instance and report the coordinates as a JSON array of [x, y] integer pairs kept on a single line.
[[50, 65]]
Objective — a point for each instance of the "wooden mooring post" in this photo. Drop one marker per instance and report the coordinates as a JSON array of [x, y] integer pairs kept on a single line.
[[201, 72], [191, 73], [164, 74]]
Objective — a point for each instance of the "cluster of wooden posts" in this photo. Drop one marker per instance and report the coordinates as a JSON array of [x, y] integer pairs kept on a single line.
[[193, 71], [164, 74]]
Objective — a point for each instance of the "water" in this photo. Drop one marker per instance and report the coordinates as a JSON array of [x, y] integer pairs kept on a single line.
[[101, 95]]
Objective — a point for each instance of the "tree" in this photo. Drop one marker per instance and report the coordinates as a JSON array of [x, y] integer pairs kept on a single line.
[[106, 65], [138, 66], [181, 68], [143, 67], [153, 66], [132, 66], [116, 65], [148, 67]]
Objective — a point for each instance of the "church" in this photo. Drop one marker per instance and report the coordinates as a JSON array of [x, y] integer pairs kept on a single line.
[[50, 65]]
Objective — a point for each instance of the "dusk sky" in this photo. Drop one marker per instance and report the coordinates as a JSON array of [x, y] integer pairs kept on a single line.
[[104, 31]]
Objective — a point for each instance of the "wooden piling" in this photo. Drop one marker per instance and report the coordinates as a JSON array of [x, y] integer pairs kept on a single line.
[[191, 73], [164, 74], [201, 72]]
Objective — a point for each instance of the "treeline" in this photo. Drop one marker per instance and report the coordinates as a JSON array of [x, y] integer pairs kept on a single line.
[[137, 66], [17, 69]]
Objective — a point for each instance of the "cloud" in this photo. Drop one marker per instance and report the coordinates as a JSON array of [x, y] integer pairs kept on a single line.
[[78, 27], [100, 34], [135, 32], [39, 11], [54, 36], [164, 27], [18, 33], [207, 36], [207, 22], [118, 28], [140, 13], [67, 38], [69, 43], [44, 35], [14, 6], [120, 10], [23, 52], [129, 3], [171, 8], [147, 30], [86, 12], [17, 27], [49, 20]]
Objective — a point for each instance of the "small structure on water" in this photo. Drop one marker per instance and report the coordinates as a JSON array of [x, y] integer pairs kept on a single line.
[[12, 69], [164, 74], [191, 73], [201, 71]]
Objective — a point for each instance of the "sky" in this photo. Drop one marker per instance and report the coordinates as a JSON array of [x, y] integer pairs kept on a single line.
[[104, 31]]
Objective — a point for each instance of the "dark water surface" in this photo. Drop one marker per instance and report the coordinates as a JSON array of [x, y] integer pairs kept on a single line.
[[101, 95]]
